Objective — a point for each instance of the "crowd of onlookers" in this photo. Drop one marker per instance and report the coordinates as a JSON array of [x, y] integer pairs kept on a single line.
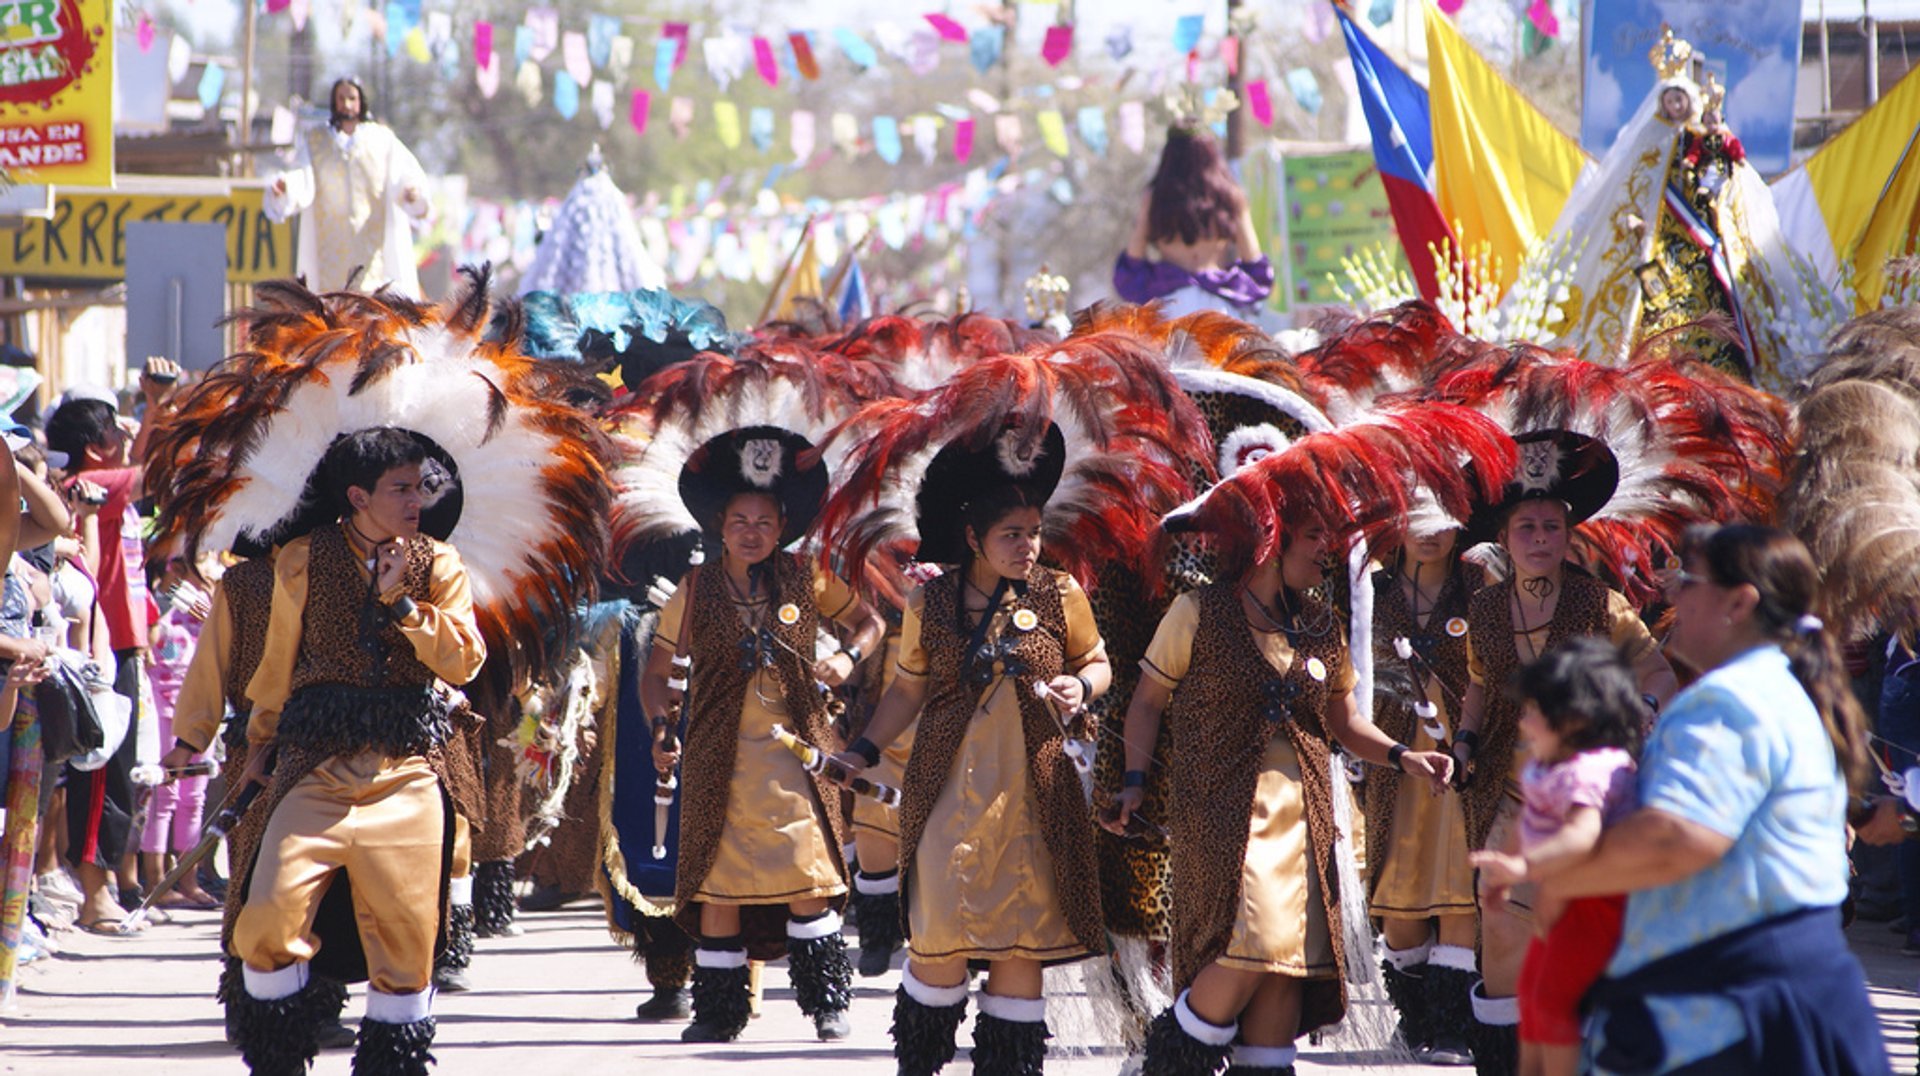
[[84, 606]]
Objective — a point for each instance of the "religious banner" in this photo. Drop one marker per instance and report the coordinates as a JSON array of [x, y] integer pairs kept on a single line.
[[1334, 206], [86, 236], [56, 91], [1752, 46]]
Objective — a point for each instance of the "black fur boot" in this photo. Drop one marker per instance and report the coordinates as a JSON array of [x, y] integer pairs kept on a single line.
[[923, 1033], [493, 903], [1008, 1047], [329, 1003], [230, 989], [450, 966], [1407, 989], [1448, 1002], [876, 918], [393, 1049], [1261, 1061], [278, 1037], [720, 995], [822, 978], [1172, 1051], [1496, 1034]]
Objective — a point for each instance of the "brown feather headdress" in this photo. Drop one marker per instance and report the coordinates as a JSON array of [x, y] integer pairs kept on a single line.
[[233, 464]]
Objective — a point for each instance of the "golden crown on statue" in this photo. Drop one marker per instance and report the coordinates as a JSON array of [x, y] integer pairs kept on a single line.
[[1671, 57], [1712, 95], [1046, 295], [1186, 106]]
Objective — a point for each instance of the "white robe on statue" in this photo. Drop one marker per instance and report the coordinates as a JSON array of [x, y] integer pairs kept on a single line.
[[350, 193]]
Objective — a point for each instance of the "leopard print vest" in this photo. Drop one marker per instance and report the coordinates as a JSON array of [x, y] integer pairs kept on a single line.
[[248, 590], [1011, 660]]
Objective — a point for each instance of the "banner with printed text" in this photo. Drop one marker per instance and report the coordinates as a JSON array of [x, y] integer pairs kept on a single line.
[[1336, 207], [86, 237], [56, 92]]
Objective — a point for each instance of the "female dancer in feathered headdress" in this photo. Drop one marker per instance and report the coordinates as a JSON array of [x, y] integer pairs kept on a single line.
[[1054, 455]]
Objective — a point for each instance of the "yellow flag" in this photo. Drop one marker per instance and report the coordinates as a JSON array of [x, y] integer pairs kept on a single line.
[[726, 123], [1503, 170], [1865, 187], [1053, 131], [800, 281]]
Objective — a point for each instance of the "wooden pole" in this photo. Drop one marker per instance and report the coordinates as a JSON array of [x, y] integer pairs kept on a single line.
[[1826, 67], [249, 36], [1236, 85]]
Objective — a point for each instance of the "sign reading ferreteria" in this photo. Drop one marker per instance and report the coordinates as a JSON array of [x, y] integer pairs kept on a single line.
[[56, 91], [86, 237]]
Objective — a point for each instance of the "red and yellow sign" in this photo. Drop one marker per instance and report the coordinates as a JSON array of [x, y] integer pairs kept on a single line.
[[56, 91]]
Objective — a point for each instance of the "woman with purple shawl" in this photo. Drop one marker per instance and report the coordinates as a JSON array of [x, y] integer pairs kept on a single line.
[[1196, 218]]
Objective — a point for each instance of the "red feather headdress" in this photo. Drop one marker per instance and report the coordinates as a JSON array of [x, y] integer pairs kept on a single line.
[[234, 461], [1129, 434], [1693, 445]]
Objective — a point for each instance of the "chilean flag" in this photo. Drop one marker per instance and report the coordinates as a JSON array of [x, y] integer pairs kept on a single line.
[[1401, 120]]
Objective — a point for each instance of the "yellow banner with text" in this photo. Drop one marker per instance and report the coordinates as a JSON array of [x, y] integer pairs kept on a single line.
[[86, 238]]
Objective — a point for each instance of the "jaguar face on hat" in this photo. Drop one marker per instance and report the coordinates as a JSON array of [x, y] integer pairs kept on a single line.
[[1571, 468], [1031, 458], [755, 459]]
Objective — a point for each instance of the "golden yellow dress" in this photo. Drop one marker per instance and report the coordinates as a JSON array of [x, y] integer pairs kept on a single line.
[[772, 849], [1281, 924], [983, 880], [1424, 870]]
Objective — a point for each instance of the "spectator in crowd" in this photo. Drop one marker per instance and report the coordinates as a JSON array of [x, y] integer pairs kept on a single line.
[[173, 820], [86, 429], [1735, 865]]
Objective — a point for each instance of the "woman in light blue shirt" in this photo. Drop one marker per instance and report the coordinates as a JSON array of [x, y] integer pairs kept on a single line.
[[1731, 958]]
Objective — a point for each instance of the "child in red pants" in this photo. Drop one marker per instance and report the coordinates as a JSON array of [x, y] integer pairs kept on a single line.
[[1581, 723]]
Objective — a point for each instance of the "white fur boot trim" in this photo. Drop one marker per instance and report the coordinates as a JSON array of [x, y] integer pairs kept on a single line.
[[460, 890], [1494, 1012], [1190, 1022], [1264, 1057], [274, 985], [875, 887], [1403, 959], [399, 1008], [1013, 1010], [1457, 957], [720, 958], [814, 928], [933, 997]]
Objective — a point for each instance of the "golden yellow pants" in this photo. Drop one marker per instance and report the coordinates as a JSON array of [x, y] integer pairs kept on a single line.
[[381, 819], [462, 848]]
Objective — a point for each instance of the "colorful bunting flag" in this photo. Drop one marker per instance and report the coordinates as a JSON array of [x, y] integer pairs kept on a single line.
[[522, 45], [1230, 54], [926, 137], [726, 123], [602, 30], [1543, 19], [1305, 89], [855, 47], [803, 59], [416, 45], [213, 82], [963, 138], [482, 42], [680, 116], [800, 135], [637, 111], [1092, 122], [1259, 102], [527, 81], [620, 57], [947, 29], [603, 103], [677, 33], [726, 57], [1058, 45], [886, 138], [1452, 7], [566, 95], [1133, 126], [544, 22], [573, 55], [663, 51], [1120, 43], [143, 34], [1006, 132], [985, 46], [760, 128], [764, 62], [1186, 33], [845, 131], [1053, 131], [487, 76]]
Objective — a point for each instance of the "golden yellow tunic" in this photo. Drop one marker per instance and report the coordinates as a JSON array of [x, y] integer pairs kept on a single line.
[[772, 849], [869, 814], [983, 881], [1423, 868], [1281, 924]]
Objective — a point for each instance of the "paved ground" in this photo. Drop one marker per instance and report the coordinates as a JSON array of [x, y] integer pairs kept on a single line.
[[557, 997]]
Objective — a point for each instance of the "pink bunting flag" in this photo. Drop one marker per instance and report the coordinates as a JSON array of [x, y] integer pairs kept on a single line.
[[573, 56], [963, 137], [298, 9], [144, 34], [1260, 102], [948, 29], [1230, 54], [677, 33], [764, 62], [637, 112], [1452, 7], [1058, 45], [801, 131], [275, 7], [1544, 20], [486, 75], [483, 43]]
